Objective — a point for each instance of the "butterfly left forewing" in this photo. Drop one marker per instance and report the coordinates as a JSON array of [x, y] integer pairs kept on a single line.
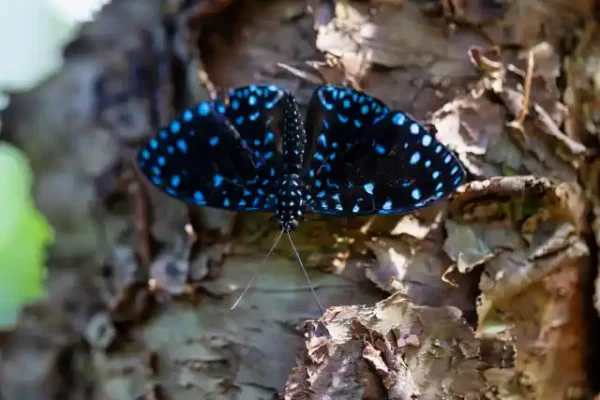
[[199, 158]]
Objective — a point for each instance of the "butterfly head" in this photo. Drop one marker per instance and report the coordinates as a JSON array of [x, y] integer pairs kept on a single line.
[[288, 225]]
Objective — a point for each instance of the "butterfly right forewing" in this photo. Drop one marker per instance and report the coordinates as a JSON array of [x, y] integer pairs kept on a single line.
[[400, 169], [371, 160]]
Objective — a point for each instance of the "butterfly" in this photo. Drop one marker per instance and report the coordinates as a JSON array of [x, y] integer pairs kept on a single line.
[[350, 156]]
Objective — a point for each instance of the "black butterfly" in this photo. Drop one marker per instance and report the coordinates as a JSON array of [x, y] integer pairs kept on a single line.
[[352, 156]]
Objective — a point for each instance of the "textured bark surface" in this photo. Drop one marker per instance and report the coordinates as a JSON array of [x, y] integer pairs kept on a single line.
[[491, 294]]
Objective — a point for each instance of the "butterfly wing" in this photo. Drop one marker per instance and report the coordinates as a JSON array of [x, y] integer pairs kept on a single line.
[[336, 120], [251, 110], [393, 167], [206, 157]]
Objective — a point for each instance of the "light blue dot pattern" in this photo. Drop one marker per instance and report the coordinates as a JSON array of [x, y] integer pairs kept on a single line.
[[416, 194], [322, 140], [182, 145], [415, 158], [269, 137], [203, 109], [217, 180], [175, 126], [188, 116], [399, 119]]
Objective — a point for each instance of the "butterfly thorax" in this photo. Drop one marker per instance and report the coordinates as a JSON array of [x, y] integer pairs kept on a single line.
[[290, 196]]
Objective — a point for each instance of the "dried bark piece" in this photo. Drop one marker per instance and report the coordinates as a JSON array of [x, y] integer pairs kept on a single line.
[[385, 38], [545, 150], [583, 89], [395, 350], [531, 288]]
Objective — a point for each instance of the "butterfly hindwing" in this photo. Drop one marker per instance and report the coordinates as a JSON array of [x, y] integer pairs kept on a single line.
[[336, 120], [397, 168], [201, 158], [250, 109]]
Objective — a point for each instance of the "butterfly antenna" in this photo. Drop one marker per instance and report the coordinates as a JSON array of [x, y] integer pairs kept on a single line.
[[306, 274], [255, 272]]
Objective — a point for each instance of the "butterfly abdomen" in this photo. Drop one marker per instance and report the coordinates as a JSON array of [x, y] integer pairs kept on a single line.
[[290, 202]]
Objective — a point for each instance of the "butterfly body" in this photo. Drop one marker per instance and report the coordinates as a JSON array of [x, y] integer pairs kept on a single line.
[[290, 196], [352, 156]]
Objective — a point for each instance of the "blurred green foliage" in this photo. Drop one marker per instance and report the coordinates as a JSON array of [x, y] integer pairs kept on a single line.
[[24, 235]]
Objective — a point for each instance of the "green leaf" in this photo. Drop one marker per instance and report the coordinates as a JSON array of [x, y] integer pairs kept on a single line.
[[24, 235]]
